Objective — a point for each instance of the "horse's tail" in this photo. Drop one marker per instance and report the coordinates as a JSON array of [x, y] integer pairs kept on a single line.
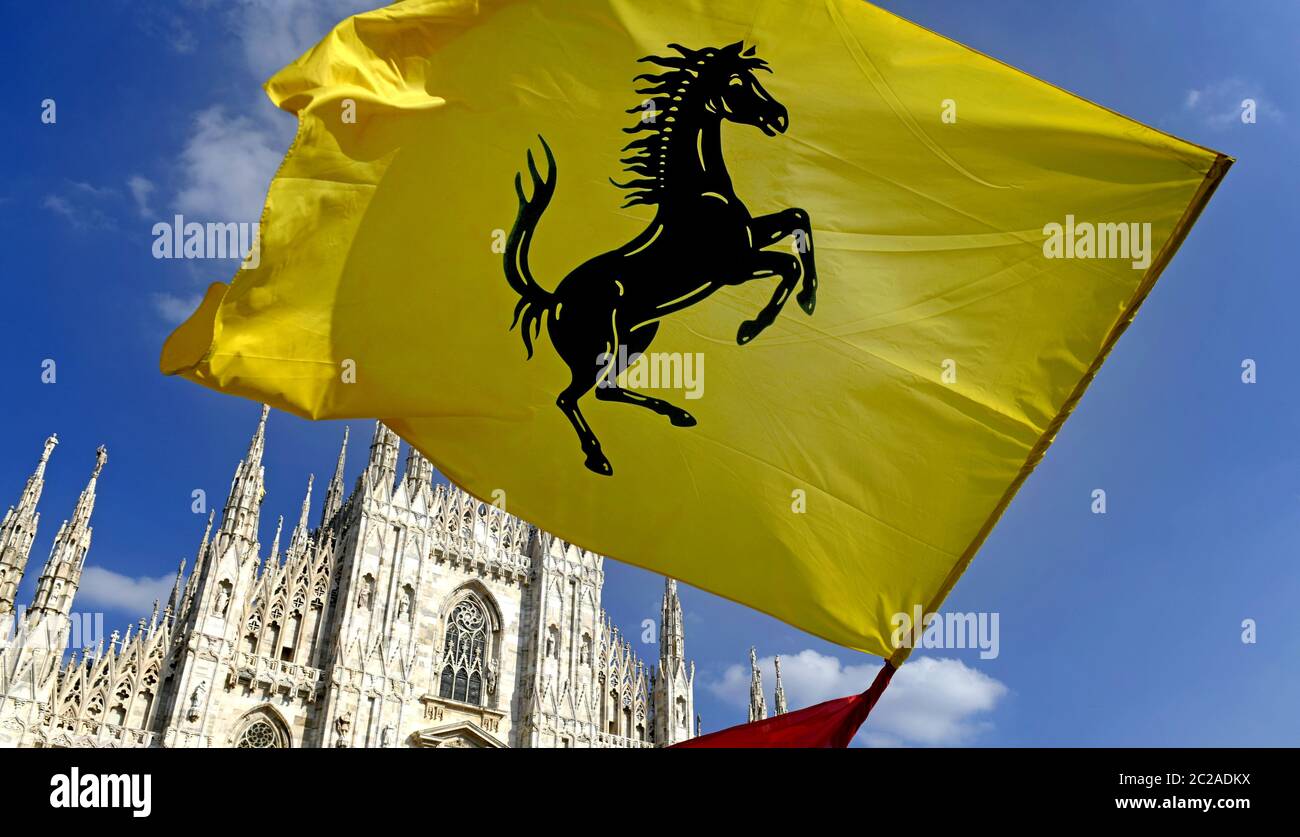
[[533, 299]]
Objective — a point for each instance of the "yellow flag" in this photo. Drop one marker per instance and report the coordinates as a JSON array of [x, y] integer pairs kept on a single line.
[[781, 299]]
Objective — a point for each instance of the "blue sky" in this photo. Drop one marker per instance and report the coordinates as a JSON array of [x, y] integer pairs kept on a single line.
[[1116, 629]]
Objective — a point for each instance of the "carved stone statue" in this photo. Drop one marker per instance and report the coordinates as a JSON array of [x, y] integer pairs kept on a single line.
[[196, 700], [387, 737], [342, 724], [223, 601]]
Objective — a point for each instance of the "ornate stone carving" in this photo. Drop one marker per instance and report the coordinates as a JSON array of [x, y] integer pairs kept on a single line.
[[196, 701], [481, 580]]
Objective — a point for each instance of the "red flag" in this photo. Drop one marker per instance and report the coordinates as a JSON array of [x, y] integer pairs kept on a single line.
[[829, 724]]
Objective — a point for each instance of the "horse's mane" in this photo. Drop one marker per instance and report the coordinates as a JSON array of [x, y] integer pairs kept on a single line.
[[668, 91]]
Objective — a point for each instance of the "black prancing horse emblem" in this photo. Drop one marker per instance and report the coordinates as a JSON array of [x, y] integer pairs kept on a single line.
[[702, 237]]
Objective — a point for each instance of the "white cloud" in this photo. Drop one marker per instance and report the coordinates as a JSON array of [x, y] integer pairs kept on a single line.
[[141, 188], [59, 206], [105, 588], [78, 205], [230, 156], [275, 32], [92, 190], [930, 701], [1219, 105], [175, 309], [229, 159], [227, 164], [160, 19]]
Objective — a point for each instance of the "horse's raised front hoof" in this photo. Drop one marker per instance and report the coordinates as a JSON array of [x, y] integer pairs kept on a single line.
[[807, 299], [597, 463], [681, 418], [749, 329]]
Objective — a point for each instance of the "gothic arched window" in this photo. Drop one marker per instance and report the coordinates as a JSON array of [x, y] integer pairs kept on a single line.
[[261, 731], [464, 653], [259, 735]]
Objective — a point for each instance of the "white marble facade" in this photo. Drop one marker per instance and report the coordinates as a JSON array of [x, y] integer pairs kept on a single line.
[[412, 615]]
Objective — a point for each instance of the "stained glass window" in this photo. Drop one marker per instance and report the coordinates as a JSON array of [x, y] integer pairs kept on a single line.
[[259, 735], [464, 652]]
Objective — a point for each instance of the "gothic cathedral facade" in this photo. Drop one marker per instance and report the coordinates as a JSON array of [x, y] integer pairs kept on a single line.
[[412, 615]]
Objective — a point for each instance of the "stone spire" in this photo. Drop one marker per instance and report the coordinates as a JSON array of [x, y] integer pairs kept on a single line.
[[298, 539], [419, 471], [381, 471], [220, 586], [672, 642], [19, 530], [274, 560], [243, 507], [757, 703], [334, 494], [674, 701], [207, 535], [778, 700], [62, 574], [198, 565], [174, 600]]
